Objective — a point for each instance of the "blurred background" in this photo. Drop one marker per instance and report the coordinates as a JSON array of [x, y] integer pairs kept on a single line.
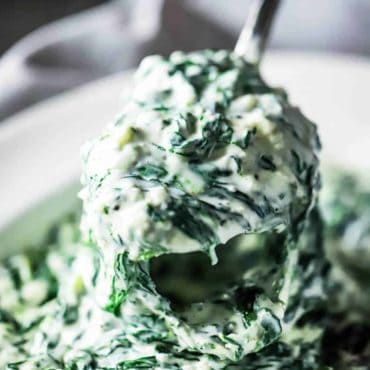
[[47, 47]]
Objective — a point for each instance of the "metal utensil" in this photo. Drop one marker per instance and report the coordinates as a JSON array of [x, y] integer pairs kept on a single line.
[[254, 35]]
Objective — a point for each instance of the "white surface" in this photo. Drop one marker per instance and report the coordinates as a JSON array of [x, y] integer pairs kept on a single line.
[[39, 148]]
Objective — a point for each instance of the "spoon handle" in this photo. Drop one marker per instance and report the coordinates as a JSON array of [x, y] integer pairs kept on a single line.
[[254, 35]]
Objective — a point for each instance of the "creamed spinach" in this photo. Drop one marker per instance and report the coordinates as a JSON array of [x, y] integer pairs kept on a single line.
[[201, 244]]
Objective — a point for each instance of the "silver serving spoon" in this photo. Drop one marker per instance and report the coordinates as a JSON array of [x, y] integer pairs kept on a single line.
[[254, 35]]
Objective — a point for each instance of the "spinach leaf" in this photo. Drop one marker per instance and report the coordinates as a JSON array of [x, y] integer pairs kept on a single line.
[[216, 134]]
